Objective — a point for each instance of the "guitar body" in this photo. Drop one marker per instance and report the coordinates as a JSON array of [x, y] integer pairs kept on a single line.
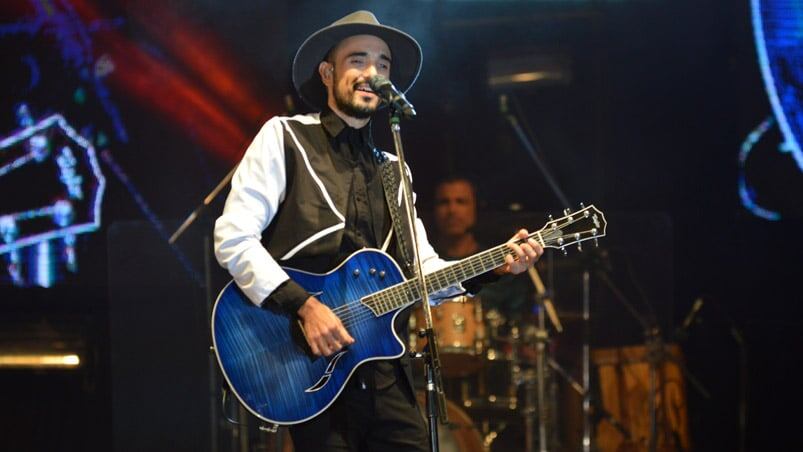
[[265, 358]]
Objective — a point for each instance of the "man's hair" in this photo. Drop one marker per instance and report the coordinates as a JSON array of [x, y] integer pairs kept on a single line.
[[450, 179]]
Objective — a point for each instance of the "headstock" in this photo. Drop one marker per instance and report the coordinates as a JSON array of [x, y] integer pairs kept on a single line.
[[588, 223]]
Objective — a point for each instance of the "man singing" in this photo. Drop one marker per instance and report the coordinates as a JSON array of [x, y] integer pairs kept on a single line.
[[307, 194]]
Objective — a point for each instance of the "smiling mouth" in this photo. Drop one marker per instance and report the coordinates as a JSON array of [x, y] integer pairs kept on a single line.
[[364, 88]]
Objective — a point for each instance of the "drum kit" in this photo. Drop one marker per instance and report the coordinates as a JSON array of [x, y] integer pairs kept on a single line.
[[488, 365]]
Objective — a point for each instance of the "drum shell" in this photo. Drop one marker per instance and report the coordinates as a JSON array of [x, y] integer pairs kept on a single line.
[[459, 326]]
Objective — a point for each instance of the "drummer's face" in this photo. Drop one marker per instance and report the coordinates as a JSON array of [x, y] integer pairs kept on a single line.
[[455, 208]]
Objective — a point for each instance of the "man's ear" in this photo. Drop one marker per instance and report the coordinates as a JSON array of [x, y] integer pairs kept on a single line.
[[325, 69]]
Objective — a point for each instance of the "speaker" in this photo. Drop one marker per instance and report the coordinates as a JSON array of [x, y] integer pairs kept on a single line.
[[162, 382]]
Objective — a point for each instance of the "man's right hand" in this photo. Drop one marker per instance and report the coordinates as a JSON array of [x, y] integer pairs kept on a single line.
[[323, 330]]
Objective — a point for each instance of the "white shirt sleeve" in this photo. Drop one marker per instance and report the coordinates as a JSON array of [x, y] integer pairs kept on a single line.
[[430, 260], [257, 189]]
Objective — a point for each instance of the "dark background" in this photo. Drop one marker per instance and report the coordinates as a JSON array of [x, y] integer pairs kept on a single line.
[[648, 129]]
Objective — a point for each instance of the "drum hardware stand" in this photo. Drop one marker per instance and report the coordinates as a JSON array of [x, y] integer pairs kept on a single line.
[[586, 361], [436, 399], [656, 356], [541, 339], [535, 384]]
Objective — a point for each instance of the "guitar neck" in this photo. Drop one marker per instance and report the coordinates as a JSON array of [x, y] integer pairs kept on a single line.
[[408, 292], [573, 228]]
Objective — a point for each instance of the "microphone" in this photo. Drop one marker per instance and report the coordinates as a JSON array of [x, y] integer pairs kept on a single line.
[[698, 303], [391, 95]]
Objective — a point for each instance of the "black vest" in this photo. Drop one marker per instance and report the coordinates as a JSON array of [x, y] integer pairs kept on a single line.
[[308, 227]]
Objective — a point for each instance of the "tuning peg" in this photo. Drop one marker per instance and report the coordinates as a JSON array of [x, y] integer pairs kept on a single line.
[[567, 211], [565, 253], [580, 246], [550, 217], [596, 242], [582, 205]]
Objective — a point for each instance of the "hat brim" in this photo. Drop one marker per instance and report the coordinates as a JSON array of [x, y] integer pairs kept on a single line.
[[405, 58]]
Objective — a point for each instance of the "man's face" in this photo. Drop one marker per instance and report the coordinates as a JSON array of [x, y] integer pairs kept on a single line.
[[352, 63], [455, 208]]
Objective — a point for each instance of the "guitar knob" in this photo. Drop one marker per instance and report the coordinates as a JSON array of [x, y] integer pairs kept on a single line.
[[382, 273], [372, 271], [356, 272]]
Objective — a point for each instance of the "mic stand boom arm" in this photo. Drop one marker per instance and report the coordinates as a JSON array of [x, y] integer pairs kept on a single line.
[[208, 200]]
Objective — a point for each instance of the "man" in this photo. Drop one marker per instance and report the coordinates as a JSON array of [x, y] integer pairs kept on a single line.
[[308, 193], [455, 217]]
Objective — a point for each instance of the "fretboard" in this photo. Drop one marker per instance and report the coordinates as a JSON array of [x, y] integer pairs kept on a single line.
[[572, 228], [408, 292]]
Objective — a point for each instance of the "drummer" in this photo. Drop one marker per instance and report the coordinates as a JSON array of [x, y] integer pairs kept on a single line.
[[455, 217]]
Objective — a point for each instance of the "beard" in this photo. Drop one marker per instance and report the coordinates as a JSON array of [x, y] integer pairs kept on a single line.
[[350, 107]]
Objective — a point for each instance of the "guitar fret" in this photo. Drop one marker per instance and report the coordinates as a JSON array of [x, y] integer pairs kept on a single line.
[[408, 291]]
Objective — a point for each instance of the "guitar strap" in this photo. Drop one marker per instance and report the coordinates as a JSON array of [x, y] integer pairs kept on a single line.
[[390, 181]]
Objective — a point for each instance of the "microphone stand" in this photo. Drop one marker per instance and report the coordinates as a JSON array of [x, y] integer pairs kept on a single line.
[[198, 210], [542, 418], [212, 365], [514, 123], [435, 398]]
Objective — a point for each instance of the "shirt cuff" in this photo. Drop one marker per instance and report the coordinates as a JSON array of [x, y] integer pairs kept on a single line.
[[289, 296]]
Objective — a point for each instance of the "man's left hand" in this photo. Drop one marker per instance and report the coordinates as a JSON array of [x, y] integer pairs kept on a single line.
[[523, 255]]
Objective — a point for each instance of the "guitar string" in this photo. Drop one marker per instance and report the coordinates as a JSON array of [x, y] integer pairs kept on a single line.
[[386, 302], [383, 301]]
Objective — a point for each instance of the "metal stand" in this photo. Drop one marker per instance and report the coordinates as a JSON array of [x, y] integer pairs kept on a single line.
[[586, 361], [436, 400], [212, 364], [544, 306], [656, 356], [541, 335]]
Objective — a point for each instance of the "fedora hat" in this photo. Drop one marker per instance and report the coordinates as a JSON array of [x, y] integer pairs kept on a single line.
[[405, 54]]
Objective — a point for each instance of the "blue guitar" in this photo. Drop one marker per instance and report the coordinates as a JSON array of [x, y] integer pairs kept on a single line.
[[266, 360]]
